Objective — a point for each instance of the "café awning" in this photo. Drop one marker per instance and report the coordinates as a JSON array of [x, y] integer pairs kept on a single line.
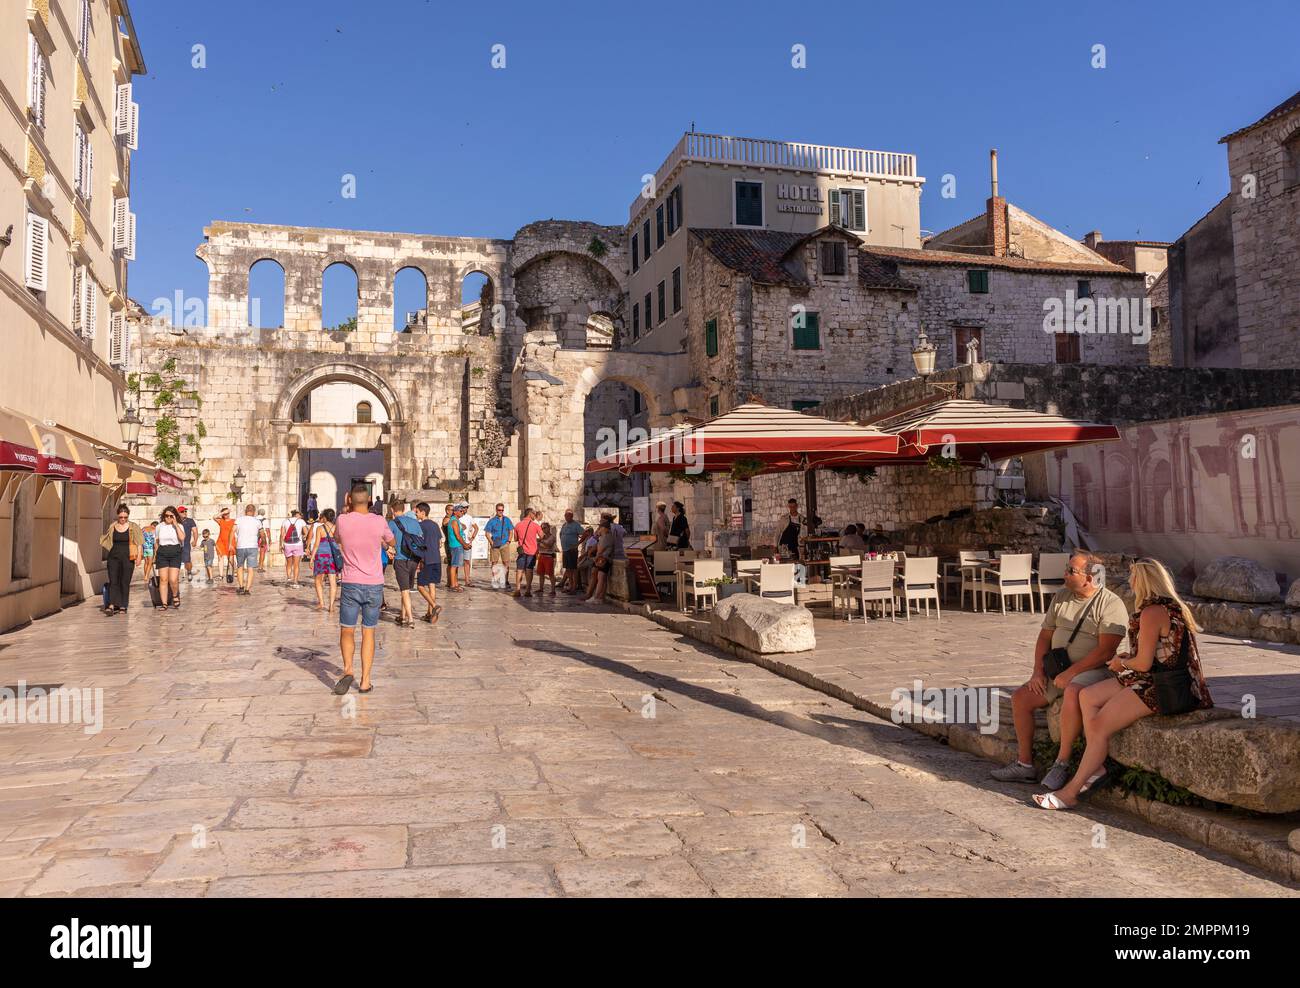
[[970, 430], [129, 475], [17, 450], [779, 438]]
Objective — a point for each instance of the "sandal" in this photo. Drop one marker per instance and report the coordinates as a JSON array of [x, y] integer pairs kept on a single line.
[[367, 689], [1050, 801], [1098, 782], [343, 685]]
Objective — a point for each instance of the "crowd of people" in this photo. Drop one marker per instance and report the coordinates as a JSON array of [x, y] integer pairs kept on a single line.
[[349, 554]]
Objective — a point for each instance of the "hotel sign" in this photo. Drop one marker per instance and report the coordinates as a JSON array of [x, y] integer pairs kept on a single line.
[[799, 199]]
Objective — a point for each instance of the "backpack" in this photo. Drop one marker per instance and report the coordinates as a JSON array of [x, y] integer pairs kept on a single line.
[[291, 536], [413, 543]]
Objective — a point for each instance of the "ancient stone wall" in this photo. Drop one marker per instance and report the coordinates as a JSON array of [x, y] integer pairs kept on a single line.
[[1203, 293], [1266, 240]]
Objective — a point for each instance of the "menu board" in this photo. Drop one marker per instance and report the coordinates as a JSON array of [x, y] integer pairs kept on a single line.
[[639, 568]]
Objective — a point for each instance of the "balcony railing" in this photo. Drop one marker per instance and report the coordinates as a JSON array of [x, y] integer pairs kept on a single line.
[[783, 154]]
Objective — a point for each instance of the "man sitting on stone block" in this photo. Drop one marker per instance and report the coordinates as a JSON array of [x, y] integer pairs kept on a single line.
[[1089, 622]]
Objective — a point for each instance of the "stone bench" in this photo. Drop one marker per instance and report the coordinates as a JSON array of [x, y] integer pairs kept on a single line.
[[1253, 763], [763, 626]]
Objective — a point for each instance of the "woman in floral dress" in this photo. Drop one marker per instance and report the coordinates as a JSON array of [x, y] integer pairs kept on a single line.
[[323, 543], [1156, 632]]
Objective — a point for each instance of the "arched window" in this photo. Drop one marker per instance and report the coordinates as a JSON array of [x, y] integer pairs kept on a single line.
[[339, 297], [266, 295], [410, 300], [363, 413], [477, 299]]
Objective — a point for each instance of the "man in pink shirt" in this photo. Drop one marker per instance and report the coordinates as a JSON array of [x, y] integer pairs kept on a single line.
[[361, 535]]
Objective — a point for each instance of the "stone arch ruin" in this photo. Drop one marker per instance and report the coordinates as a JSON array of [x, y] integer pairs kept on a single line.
[[489, 404]]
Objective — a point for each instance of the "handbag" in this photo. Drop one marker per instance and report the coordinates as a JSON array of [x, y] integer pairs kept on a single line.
[[1057, 660], [1174, 686]]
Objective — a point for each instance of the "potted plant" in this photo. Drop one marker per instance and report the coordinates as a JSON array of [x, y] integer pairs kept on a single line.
[[726, 586]]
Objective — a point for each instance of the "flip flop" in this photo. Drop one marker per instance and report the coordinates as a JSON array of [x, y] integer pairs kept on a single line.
[[367, 689], [343, 685], [1050, 801]]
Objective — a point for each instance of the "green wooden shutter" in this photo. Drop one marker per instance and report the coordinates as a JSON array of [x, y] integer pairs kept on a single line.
[[978, 282], [711, 338], [808, 336]]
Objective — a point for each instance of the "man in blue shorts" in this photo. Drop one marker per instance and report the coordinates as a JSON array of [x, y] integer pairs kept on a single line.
[[430, 571], [361, 535]]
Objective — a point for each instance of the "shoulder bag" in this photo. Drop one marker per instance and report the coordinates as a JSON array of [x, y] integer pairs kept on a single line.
[[1174, 686], [1057, 660]]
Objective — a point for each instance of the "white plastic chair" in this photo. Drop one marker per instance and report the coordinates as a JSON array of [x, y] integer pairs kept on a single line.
[[874, 584], [1049, 578], [776, 582], [920, 582], [1010, 579], [694, 581]]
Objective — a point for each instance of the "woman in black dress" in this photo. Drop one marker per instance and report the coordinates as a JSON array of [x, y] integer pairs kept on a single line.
[[679, 532], [123, 540]]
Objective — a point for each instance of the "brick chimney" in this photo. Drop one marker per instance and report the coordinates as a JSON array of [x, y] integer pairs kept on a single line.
[[996, 212]]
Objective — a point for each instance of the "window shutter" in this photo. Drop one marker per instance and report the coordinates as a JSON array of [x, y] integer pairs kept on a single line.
[[122, 110], [116, 349], [636, 259], [859, 210], [36, 98], [133, 139], [80, 163], [84, 40], [121, 222], [808, 336], [37, 258], [130, 238], [836, 212], [711, 338], [78, 296], [92, 306], [89, 186]]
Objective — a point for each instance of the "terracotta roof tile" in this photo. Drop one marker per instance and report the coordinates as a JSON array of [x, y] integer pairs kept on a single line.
[[907, 255]]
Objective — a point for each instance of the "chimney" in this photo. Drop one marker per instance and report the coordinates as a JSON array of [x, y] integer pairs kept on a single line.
[[996, 212], [1092, 239]]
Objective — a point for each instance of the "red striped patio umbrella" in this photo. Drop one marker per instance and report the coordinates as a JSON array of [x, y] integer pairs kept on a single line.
[[780, 439], [970, 430]]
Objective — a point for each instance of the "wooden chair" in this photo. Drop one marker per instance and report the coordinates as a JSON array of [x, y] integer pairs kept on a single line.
[[1050, 576], [1010, 579], [964, 574], [776, 582], [694, 582], [919, 582], [875, 584]]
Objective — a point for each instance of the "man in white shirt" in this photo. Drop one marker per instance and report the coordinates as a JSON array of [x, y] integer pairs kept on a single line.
[[478, 544], [246, 529]]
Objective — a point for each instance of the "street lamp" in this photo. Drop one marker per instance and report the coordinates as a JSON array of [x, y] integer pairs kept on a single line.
[[923, 356], [130, 425], [237, 485]]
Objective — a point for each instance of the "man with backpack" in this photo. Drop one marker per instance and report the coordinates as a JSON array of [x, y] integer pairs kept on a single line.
[[409, 550], [291, 541]]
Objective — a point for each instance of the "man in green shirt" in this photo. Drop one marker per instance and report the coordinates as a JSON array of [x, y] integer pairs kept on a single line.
[[1105, 622]]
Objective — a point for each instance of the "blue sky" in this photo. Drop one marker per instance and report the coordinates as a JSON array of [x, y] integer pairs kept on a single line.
[[402, 95]]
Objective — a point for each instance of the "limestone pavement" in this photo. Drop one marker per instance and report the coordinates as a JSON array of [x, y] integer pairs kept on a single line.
[[529, 747]]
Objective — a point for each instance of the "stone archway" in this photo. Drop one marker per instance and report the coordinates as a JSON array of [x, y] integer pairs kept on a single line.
[[291, 437]]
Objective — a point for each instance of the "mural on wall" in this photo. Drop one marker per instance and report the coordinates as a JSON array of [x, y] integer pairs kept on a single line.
[[1189, 490]]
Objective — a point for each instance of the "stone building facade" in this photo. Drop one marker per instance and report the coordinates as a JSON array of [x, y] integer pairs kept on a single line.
[[68, 134], [1264, 171], [1234, 276]]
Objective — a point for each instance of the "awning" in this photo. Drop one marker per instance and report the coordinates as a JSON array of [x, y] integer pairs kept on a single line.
[[164, 478], [135, 477], [970, 430], [17, 451], [781, 439]]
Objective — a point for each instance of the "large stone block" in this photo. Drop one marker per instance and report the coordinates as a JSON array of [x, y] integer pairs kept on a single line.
[[1237, 578], [1251, 763], [764, 626]]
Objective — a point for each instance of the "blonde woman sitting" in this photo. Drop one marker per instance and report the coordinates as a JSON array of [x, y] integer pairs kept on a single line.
[[1162, 643]]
